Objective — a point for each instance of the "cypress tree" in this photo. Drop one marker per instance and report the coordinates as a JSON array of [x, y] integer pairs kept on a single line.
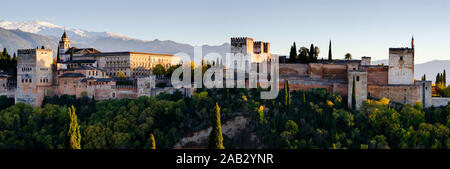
[[354, 94], [73, 132], [304, 97], [287, 95], [438, 79], [293, 56], [330, 56], [58, 55], [71, 54], [311, 53], [5, 53], [215, 137], [444, 78], [152, 142]]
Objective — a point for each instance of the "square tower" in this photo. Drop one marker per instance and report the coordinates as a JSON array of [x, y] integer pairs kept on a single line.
[[360, 80], [401, 66], [242, 45], [34, 75]]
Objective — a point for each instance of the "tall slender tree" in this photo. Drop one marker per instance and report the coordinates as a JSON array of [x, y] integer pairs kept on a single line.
[[424, 77], [71, 53], [311, 53], [330, 55], [438, 79], [304, 97], [293, 56], [73, 133], [215, 137], [5, 53], [58, 55], [152, 142], [444, 78], [287, 94]]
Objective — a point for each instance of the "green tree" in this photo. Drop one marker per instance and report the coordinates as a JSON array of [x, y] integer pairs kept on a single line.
[[5, 53], [73, 133], [159, 70], [152, 142], [71, 53], [330, 56], [444, 78], [58, 55], [304, 55], [287, 95], [171, 69], [293, 56], [121, 75], [215, 137], [348, 56]]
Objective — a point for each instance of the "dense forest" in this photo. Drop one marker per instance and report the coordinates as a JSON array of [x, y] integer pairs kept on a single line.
[[295, 120]]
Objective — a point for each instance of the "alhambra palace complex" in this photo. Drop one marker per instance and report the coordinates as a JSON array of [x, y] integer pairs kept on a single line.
[[88, 72]]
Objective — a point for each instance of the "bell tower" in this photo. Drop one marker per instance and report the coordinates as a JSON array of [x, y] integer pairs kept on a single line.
[[64, 43]]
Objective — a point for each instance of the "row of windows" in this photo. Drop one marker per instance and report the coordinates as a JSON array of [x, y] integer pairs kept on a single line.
[[26, 69], [26, 80], [43, 80]]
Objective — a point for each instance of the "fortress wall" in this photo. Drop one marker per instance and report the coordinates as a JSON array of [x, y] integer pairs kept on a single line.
[[440, 101], [126, 93], [377, 75], [396, 93], [305, 84], [293, 69], [315, 70], [335, 71], [341, 89]]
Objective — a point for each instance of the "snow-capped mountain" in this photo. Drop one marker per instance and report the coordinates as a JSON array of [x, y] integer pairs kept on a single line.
[[47, 28], [103, 41]]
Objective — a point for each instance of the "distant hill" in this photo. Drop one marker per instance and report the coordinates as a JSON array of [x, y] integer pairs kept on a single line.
[[48, 34], [17, 39], [430, 69]]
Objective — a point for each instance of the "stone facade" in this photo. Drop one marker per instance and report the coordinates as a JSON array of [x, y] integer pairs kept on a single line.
[[259, 51], [401, 66], [88, 73], [130, 63], [395, 82], [34, 74], [360, 80]]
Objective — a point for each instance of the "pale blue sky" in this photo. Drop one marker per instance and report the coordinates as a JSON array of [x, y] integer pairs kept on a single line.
[[360, 27]]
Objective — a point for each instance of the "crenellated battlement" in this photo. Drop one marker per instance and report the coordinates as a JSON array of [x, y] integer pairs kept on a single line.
[[240, 41], [32, 51]]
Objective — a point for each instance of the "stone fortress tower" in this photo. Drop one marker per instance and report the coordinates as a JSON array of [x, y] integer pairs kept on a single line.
[[34, 75], [259, 51], [360, 78], [401, 65], [395, 82]]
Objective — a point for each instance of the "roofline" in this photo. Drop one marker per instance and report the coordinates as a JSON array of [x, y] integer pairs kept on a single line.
[[128, 52]]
